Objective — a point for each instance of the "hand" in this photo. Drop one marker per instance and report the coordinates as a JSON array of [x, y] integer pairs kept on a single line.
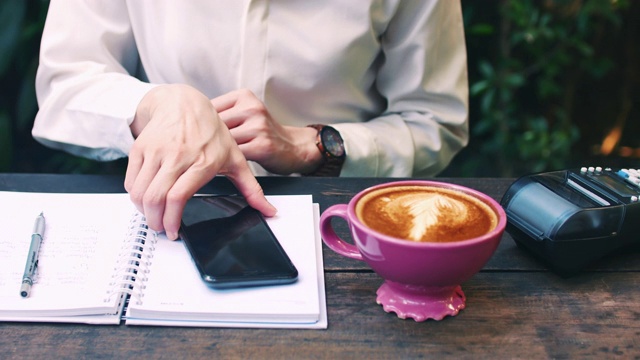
[[181, 145], [279, 149]]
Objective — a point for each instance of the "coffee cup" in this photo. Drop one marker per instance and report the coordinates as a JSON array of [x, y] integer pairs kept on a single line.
[[424, 238]]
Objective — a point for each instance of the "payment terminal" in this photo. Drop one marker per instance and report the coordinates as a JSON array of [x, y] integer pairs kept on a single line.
[[571, 218]]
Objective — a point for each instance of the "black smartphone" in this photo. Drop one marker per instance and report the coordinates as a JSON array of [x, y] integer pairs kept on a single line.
[[232, 245]]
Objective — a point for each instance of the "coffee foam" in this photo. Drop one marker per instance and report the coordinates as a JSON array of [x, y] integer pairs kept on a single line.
[[425, 213]]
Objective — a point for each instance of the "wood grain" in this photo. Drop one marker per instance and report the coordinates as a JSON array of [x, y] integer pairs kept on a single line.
[[516, 309], [517, 315]]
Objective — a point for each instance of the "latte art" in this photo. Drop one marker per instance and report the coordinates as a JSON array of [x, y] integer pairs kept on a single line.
[[425, 214], [424, 210]]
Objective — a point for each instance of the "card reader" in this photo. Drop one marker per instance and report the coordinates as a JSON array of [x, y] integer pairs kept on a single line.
[[572, 218]]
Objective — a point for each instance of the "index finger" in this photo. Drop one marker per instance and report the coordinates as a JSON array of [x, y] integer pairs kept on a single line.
[[187, 184], [249, 187], [225, 101]]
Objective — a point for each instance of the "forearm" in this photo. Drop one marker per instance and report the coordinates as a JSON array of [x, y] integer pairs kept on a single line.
[[86, 94], [90, 120], [424, 80], [393, 146]]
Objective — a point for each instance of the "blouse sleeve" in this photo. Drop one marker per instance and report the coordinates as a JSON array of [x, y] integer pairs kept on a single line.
[[88, 58], [424, 80]]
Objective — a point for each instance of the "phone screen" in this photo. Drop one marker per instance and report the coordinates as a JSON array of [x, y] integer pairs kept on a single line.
[[232, 245]]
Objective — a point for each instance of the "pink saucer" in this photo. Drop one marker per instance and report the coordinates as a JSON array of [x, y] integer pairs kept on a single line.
[[420, 302]]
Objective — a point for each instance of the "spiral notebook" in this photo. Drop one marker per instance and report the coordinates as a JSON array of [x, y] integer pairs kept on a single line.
[[99, 264]]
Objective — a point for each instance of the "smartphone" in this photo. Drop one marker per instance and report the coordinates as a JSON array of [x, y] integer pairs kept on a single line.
[[232, 245]]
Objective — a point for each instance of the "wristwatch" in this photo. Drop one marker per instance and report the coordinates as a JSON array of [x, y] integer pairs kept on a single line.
[[331, 146]]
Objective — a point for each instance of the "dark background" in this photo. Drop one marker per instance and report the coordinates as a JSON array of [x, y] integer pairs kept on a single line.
[[550, 80]]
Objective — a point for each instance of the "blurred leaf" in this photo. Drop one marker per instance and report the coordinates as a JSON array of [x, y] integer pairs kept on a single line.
[[479, 87], [481, 29], [487, 100], [486, 69], [514, 80]]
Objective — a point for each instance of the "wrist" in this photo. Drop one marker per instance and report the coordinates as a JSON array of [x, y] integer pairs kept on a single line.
[[143, 111], [312, 157], [139, 122]]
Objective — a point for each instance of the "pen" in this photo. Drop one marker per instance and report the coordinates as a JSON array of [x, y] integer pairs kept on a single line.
[[32, 257]]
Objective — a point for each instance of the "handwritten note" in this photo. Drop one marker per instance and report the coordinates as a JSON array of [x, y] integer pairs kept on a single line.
[[77, 256]]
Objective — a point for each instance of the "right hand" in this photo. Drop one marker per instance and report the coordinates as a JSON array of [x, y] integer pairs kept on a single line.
[[181, 145]]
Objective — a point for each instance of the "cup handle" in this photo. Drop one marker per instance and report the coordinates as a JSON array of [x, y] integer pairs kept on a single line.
[[329, 236]]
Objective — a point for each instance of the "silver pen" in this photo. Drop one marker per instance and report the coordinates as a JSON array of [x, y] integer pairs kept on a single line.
[[32, 258]]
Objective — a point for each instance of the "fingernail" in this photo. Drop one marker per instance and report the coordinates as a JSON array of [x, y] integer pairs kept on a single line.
[[274, 210]]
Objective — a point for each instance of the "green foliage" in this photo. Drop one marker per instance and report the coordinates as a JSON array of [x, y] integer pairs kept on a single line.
[[523, 87], [21, 24]]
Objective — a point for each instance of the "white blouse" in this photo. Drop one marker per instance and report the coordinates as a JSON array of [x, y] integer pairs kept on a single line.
[[390, 75]]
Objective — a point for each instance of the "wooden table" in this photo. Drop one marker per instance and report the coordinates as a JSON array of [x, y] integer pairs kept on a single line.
[[515, 307]]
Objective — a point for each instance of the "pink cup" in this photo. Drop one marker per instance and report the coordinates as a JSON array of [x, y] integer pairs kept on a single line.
[[421, 279]]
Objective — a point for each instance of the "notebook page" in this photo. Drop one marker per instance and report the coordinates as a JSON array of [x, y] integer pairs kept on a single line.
[[321, 324], [175, 291], [83, 238]]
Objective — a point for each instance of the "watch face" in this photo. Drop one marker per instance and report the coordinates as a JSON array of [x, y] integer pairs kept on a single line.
[[332, 141]]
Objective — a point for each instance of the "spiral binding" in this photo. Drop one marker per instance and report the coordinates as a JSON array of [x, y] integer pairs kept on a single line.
[[135, 258]]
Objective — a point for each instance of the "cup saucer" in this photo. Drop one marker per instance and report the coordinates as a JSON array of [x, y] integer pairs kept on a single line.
[[420, 302]]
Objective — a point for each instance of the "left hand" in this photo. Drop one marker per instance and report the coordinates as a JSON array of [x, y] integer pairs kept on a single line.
[[279, 149]]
